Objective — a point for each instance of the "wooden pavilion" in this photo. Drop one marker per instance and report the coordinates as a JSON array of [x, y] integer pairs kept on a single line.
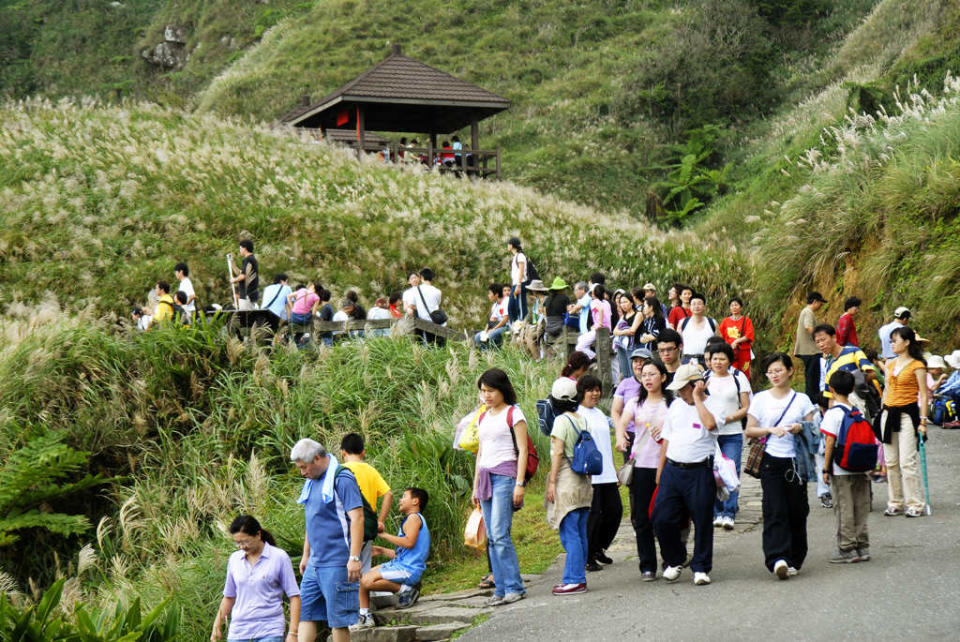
[[402, 94]]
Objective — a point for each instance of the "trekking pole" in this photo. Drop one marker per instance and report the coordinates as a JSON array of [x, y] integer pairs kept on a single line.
[[923, 467], [233, 286]]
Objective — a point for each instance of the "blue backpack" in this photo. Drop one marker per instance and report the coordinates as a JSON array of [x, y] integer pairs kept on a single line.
[[545, 416], [586, 456], [944, 411]]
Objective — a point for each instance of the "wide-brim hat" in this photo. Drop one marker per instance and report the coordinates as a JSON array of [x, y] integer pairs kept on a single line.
[[935, 361], [641, 353], [537, 286], [559, 284], [953, 359], [685, 374]]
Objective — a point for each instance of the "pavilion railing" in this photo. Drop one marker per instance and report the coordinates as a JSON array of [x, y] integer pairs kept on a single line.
[[482, 163]]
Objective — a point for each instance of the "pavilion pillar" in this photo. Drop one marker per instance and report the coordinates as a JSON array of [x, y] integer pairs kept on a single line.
[[433, 148], [361, 132], [474, 135]]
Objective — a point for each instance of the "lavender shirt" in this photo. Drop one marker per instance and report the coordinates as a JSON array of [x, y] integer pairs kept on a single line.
[[259, 589], [627, 390]]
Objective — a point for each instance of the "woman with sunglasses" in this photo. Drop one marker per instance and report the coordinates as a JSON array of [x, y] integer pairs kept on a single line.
[[258, 575], [775, 415]]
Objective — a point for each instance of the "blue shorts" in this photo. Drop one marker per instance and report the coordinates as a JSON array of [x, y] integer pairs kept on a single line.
[[326, 595], [393, 572]]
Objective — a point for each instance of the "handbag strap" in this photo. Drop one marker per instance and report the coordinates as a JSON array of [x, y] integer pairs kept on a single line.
[[275, 297], [784, 413], [419, 291]]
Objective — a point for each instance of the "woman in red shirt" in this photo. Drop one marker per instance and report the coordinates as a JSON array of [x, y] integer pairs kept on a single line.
[[737, 330], [680, 312]]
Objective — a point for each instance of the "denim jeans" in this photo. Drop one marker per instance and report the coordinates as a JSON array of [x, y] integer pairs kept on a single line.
[[498, 518], [732, 447], [494, 339], [573, 537]]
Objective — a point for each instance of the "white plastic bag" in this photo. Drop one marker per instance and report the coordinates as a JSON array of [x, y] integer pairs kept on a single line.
[[725, 472]]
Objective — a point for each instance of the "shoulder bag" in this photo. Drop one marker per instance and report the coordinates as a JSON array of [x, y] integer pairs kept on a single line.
[[759, 446], [438, 316]]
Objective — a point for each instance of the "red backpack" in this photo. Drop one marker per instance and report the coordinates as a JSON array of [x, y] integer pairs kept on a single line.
[[856, 448], [533, 459]]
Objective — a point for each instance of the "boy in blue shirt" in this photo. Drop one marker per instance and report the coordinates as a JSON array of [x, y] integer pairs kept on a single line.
[[402, 573]]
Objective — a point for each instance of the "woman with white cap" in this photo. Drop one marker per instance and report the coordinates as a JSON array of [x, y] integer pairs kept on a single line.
[[935, 374], [569, 495]]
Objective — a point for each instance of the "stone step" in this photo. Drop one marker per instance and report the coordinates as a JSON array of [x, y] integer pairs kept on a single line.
[[436, 632], [424, 615], [405, 633]]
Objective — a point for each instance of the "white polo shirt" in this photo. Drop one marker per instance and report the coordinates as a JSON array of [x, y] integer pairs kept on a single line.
[[688, 440]]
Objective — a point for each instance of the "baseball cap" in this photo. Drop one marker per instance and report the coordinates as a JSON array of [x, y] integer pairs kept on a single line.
[[641, 353], [687, 373], [901, 313], [815, 296], [564, 389], [649, 286]]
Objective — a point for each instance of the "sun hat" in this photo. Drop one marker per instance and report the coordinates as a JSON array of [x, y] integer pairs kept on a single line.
[[564, 389], [935, 361], [649, 286], [901, 312], [953, 359], [641, 353], [559, 284], [537, 285], [685, 374]]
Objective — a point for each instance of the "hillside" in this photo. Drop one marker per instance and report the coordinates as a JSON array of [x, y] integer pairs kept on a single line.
[[853, 190], [601, 90], [96, 216]]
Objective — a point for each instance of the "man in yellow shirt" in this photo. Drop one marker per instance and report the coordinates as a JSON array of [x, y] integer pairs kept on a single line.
[[372, 487], [165, 309]]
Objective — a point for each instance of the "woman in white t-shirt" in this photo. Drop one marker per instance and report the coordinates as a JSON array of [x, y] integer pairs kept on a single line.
[[606, 510], [498, 481], [518, 280], [775, 415], [647, 412], [730, 399]]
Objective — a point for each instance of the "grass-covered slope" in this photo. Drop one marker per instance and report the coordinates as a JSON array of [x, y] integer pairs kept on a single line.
[[200, 426], [850, 190], [100, 202]]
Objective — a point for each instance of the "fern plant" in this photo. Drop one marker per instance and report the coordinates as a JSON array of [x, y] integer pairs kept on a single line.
[[33, 476]]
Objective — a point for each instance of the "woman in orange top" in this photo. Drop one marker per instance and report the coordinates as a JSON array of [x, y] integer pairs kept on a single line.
[[901, 420]]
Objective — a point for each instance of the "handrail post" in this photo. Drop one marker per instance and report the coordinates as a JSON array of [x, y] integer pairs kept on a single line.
[[604, 365]]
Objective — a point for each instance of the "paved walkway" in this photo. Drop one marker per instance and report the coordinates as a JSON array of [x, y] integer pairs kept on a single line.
[[908, 591]]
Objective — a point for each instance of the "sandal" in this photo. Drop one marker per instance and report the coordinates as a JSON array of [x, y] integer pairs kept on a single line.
[[487, 582]]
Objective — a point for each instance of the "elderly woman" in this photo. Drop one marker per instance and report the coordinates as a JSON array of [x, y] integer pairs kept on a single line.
[[904, 421], [569, 495], [258, 576]]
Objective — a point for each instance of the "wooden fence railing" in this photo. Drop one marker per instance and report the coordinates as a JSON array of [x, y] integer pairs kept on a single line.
[[263, 323]]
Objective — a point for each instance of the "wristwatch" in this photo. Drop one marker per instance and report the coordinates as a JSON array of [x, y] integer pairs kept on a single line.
[[354, 558]]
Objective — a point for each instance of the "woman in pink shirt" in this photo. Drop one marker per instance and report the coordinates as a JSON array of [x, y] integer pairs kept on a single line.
[[305, 302], [600, 318], [647, 412]]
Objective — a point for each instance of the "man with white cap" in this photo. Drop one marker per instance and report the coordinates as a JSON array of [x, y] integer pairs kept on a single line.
[[685, 476], [901, 317]]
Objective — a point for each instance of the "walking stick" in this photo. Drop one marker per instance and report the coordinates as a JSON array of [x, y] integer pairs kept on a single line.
[[233, 286], [923, 467]]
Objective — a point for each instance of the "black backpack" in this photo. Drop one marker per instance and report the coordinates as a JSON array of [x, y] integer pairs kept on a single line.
[[710, 320], [532, 272]]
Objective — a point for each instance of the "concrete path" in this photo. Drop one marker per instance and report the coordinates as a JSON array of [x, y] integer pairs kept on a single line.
[[910, 590]]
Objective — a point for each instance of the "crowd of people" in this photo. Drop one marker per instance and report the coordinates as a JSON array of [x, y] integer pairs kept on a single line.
[[684, 406]]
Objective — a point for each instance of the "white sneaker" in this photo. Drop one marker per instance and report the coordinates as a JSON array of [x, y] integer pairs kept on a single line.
[[781, 569], [792, 571], [718, 522], [672, 573], [701, 579], [365, 621], [728, 523]]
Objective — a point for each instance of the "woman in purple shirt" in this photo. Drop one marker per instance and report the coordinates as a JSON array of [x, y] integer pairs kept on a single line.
[[258, 575]]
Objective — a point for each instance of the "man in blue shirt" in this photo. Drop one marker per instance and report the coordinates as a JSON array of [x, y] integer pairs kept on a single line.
[[275, 297], [330, 565]]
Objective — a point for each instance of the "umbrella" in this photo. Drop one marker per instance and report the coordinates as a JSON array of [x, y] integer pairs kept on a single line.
[[923, 467]]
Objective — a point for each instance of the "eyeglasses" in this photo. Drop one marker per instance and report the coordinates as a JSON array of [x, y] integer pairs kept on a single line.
[[774, 373], [666, 349], [244, 543]]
